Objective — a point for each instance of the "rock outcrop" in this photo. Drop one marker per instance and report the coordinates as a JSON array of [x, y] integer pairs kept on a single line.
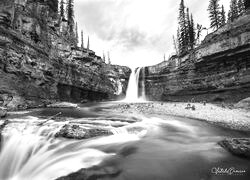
[[38, 64], [217, 70], [96, 172], [237, 146], [73, 131]]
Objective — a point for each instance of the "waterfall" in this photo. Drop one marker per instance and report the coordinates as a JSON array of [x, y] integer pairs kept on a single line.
[[143, 84], [132, 94]]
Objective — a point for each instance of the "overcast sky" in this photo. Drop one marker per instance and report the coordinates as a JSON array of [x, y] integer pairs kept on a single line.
[[136, 32]]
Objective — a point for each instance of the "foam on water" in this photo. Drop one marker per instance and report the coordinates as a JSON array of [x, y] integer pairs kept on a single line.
[[30, 151]]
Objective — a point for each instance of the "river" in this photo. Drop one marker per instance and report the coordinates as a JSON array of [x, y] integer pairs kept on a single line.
[[141, 148]]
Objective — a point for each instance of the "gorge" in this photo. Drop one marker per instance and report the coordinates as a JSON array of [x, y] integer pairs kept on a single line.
[[68, 115]]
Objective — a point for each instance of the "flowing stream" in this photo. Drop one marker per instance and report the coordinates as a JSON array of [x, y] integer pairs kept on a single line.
[[142, 148], [137, 148]]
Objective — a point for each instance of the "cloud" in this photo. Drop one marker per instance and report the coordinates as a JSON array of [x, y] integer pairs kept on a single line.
[[130, 38], [132, 29], [107, 20]]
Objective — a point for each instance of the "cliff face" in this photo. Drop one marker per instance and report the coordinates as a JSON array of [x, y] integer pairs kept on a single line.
[[38, 65], [218, 70]]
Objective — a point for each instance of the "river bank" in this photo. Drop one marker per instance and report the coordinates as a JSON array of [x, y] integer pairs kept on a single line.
[[221, 115]]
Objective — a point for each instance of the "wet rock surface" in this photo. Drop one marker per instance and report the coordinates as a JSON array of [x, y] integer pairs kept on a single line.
[[108, 169], [237, 146], [93, 173], [73, 131]]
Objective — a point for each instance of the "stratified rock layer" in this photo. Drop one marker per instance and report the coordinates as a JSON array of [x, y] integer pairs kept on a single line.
[[38, 64], [218, 70]]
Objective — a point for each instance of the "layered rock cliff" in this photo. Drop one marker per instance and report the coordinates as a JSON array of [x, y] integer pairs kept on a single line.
[[217, 70], [39, 65]]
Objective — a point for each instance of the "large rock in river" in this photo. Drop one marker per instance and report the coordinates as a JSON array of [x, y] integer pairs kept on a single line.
[[96, 172], [237, 146], [73, 131]]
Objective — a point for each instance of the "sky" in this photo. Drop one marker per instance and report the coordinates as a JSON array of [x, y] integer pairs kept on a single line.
[[136, 32]]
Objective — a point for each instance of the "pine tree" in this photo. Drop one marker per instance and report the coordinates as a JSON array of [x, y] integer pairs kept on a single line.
[[233, 12], [82, 43], [223, 16], [103, 57], [183, 28], [109, 61], [88, 44], [62, 9], [188, 26], [178, 42], [241, 7], [70, 15], [214, 13], [53, 4], [175, 42], [192, 33], [76, 33]]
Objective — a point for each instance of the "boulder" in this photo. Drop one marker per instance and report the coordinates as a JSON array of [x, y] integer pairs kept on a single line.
[[245, 103], [237, 146], [73, 131]]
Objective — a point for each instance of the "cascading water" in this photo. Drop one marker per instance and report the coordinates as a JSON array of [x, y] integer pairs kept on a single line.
[[132, 94], [30, 151], [143, 84], [34, 153]]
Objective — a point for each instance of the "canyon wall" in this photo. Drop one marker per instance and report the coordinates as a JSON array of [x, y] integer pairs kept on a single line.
[[39, 65], [218, 70]]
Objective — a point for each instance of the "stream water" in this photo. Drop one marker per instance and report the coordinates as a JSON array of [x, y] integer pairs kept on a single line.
[[140, 148], [143, 148]]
